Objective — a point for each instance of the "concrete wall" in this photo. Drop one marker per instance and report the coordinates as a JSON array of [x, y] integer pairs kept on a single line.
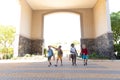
[[103, 43], [101, 18], [25, 29], [26, 19], [87, 26]]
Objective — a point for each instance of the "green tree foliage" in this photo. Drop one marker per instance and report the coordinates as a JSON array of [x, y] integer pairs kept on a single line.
[[7, 36], [115, 23], [76, 42]]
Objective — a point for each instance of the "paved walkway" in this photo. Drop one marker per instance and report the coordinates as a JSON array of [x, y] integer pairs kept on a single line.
[[96, 70]]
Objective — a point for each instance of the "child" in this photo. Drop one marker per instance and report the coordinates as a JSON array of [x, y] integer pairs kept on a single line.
[[73, 54], [84, 53], [50, 54], [59, 55]]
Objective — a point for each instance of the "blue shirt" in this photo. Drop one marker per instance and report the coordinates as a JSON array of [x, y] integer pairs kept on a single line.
[[50, 52]]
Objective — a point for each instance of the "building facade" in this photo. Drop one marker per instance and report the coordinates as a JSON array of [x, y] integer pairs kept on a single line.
[[95, 26]]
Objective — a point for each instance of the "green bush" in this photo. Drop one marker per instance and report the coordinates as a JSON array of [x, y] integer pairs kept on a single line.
[[7, 53], [117, 49], [97, 56], [7, 56], [45, 52], [27, 55]]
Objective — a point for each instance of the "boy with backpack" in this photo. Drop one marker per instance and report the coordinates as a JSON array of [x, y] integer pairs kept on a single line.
[[59, 55], [50, 54]]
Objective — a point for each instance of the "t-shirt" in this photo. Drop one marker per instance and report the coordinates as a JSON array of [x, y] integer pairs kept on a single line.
[[84, 51], [50, 52], [72, 50], [60, 52]]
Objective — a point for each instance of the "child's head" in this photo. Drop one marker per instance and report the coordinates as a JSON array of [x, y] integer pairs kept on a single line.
[[83, 46], [49, 46], [72, 45], [59, 46]]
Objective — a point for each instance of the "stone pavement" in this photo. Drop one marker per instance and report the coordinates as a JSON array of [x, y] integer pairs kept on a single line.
[[95, 70]]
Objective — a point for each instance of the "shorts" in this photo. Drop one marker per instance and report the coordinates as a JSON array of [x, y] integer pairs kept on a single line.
[[49, 58], [73, 56], [84, 56], [59, 57]]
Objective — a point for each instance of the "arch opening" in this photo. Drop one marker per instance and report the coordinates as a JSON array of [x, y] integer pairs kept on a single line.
[[62, 28]]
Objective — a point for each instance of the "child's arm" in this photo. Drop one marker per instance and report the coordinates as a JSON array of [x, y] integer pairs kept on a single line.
[[54, 47], [75, 51], [87, 51]]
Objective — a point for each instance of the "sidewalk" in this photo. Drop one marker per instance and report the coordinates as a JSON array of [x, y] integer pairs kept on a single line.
[[39, 70]]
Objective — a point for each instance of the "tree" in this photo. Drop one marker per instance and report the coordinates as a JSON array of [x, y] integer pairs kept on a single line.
[[7, 36], [115, 23], [76, 42]]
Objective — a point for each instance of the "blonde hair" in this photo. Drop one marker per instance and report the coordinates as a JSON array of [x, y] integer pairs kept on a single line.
[[83, 46]]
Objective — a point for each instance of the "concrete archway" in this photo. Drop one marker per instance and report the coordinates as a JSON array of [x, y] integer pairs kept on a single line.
[[86, 22], [95, 26]]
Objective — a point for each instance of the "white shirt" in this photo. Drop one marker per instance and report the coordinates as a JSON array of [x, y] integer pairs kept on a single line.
[[72, 50]]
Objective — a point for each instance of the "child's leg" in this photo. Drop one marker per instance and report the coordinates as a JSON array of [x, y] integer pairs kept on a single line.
[[57, 61], [72, 59], [86, 59], [49, 60], [61, 61], [75, 59]]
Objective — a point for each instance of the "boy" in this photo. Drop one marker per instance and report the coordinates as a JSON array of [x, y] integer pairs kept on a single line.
[[59, 55], [50, 54], [73, 54], [84, 53]]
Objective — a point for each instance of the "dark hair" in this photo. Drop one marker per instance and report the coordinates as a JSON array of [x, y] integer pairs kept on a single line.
[[72, 44], [60, 46]]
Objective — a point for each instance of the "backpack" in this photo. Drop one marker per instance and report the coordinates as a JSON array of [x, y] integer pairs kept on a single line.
[[60, 52]]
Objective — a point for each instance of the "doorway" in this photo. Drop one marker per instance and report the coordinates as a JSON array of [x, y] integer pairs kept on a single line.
[[62, 28]]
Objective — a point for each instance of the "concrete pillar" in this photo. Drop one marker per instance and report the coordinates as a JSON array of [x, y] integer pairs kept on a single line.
[[103, 33]]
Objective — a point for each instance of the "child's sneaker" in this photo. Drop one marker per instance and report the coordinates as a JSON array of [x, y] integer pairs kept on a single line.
[[75, 64], [56, 65], [84, 64], [49, 65]]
